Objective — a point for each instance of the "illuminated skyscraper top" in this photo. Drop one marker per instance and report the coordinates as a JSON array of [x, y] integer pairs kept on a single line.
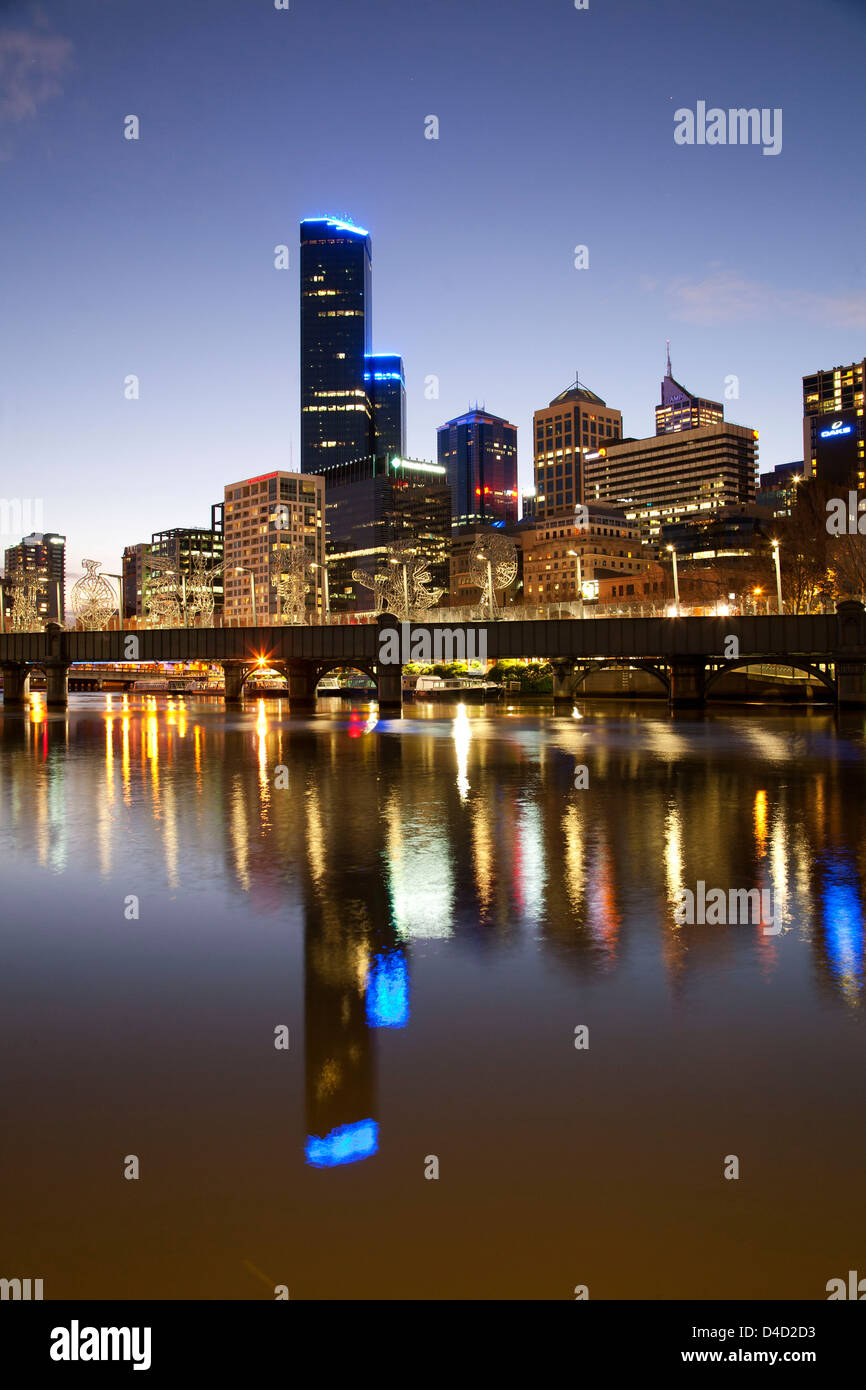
[[680, 410], [336, 336]]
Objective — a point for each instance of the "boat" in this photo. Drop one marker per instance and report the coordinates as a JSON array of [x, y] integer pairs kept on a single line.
[[458, 688], [329, 687]]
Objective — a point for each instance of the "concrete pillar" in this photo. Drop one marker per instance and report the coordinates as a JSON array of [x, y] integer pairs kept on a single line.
[[389, 690], [389, 665], [56, 684], [688, 682], [234, 677], [302, 685], [563, 683], [14, 677], [851, 684]]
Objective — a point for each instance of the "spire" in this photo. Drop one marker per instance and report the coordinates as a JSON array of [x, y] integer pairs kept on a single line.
[[668, 370]]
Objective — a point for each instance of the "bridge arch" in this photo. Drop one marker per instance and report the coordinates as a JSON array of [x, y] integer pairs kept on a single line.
[[796, 664], [624, 664]]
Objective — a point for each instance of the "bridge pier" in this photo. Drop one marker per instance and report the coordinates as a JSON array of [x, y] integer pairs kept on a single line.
[[688, 682], [563, 683], [15, 675], [234, 681], [851, 684], [389, 690], [56, 684], [302, 685]]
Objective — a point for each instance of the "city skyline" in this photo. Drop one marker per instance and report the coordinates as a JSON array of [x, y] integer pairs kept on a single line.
[[161, 264]]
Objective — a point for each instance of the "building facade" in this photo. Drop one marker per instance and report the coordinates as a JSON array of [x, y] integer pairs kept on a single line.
[[777, 489], [834, 441], [386, 384], [564, 558], [271, 521], [577, 422], [38, 560], [479, 454], [680, 410], [191, 549], [676, 476]]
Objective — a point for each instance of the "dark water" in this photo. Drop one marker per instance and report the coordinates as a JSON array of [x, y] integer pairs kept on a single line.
[[431, 907]]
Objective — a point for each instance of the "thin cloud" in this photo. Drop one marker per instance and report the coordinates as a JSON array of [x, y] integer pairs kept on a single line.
[[31, 67], [728, 297]]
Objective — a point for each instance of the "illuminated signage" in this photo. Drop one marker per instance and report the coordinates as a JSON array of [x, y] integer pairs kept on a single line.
[[836, 429]]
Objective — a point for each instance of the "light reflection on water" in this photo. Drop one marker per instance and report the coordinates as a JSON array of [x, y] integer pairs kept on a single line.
[[432, 906]]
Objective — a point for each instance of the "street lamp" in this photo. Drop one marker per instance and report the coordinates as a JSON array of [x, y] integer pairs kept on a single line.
[[579, 578], [676, 580], [119, 578], [778, 575], [327, 597], [245, 569]]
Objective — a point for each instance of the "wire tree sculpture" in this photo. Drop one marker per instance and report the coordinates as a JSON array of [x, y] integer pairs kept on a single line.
[[162, 599], [402, 587], [199, 591], [92, 598], [25, 609], [492, 565], [289, 569]]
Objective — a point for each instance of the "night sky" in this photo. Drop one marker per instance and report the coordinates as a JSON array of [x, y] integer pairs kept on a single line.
[[156, 257]]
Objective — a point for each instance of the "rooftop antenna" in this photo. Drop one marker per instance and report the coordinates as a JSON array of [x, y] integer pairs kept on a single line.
[[668, 372]]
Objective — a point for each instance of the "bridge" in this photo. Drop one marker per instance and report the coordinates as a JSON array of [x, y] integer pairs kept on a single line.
[[687, 655]]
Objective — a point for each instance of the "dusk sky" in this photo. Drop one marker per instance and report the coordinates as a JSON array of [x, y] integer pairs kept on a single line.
[[156, 257]]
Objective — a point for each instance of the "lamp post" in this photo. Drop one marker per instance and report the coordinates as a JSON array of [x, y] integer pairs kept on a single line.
[[676, 580], [245, 569], [119, 578], [327, 598], [778, 575], [579, 578]]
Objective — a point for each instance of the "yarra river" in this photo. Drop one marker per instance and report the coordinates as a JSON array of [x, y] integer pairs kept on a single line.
[[426, 910]]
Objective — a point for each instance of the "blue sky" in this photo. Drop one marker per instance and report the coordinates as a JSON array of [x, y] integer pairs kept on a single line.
[[155, 257]]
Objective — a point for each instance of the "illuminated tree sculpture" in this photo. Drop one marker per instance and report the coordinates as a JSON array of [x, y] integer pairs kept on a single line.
[[25, 609], [289, 568], [92, 598], [199, 592], [402, 586], [492, 565], [162, 597]]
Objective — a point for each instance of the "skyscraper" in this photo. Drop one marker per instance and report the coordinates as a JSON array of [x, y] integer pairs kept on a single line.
[[336, 338], [39, 560], [479, 454], [576, 422], [680, 410], [272, 521], [834, 437], [386, 385]]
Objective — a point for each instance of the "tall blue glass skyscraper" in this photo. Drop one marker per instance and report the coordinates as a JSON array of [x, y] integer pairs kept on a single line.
[[387, 387]]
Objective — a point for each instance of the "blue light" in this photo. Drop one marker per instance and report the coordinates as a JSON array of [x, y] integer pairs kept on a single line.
[[388, 991], [341, 226], [835, 430], [383, 376], [843, 924], [345, 1144]]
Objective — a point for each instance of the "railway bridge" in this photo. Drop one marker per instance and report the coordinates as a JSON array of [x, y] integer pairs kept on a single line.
[[686, 654]]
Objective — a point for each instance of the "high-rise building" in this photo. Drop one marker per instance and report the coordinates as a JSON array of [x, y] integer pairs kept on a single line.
[[834, 440], [270, 521], [336, 341], [680, 410], [577, 422], [134, 570], [189, 548], [777, 489], [371, 504], [559, 549], [677, 476], [479, 453], [39, 560], [386, 385]]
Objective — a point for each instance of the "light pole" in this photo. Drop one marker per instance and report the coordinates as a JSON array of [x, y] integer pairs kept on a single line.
[[119, 578], [676, 580], [579, 578], [327, 598], [244, 569], [778, 575]]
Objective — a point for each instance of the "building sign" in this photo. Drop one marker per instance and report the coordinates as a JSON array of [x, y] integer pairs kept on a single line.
[[835, 430]]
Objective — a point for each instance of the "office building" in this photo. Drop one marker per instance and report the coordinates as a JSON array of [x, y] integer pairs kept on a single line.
[[39, 560], [479, 453], [135, 572], [372, 503], [192, 549], [603, 541], [386, 385], [834, 442], [680, 410], [777, 490], [676, 476], [575, 423], [264, 516]]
